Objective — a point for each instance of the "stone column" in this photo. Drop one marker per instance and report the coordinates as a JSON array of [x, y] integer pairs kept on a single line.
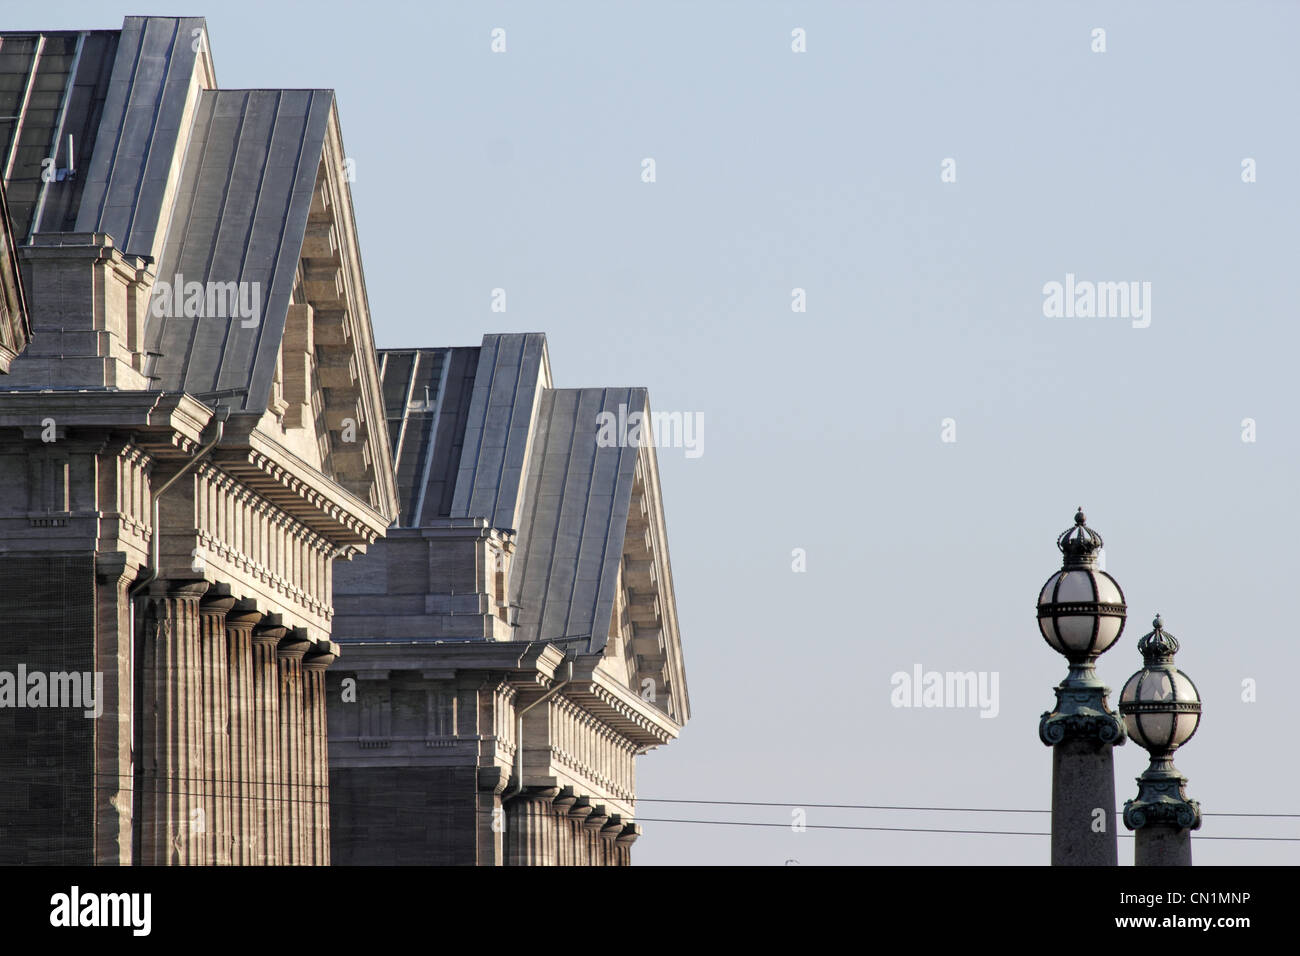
[[529, 840], [1163, 846], [268, 797], [216, 724], [172, 732], [609, 835], [594, 824], [1083, 733], [245, 815], [625, 840], [319, 657], [293, 646], [578, 813], [566, 849]]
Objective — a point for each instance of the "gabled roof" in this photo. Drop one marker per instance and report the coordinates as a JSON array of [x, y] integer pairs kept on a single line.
[[159, 66], [565, 572], [240, 215], [110, 108], [237, 192], [460, 423], [479, 433]]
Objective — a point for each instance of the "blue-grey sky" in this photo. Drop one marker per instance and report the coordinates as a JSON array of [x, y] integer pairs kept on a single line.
[[821, 170]]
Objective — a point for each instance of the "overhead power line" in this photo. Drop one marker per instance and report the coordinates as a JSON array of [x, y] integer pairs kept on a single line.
[[827, 826], [263, 800], [865, 806]]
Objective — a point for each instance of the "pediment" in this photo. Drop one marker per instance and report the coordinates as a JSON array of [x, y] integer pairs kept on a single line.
[[325, 395], [644, 644]]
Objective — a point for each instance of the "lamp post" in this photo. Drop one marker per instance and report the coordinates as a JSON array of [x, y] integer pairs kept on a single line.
[[1162, 710], [1081, 615]]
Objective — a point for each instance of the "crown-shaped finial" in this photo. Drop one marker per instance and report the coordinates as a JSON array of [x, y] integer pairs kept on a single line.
[[1158, 647], [1079, 543]]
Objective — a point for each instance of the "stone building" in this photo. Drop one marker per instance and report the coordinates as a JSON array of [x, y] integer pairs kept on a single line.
[[192, 438], [512, 646]]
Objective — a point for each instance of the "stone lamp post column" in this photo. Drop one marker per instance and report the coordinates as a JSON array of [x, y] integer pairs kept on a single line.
[[1162, 710], [1081, 615]]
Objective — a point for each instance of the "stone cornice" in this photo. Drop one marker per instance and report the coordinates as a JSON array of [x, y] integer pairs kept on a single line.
[[604, 695], [164, 424], [527, 666], [75, 245], [295, 486], [518, 663], [459, 528]]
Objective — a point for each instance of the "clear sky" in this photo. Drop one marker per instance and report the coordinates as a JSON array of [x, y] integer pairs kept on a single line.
[[821, 170]]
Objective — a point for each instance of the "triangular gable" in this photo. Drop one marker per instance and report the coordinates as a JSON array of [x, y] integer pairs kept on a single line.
[[262, 233], [645, 620], [591, 567]]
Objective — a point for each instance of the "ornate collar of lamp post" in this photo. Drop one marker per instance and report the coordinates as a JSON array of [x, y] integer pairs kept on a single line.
[[1081, 614], [1161, 709]]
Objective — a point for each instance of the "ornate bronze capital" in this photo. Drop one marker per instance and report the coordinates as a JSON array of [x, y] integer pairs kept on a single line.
[[1081, 714], [1162, 801]]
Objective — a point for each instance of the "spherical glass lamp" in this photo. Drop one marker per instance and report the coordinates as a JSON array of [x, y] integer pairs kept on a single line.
[[1081, 609], [1160, 704], [1161, 709]]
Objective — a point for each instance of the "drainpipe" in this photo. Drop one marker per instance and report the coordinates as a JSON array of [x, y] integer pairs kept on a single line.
[[155, 549], [519, 733]]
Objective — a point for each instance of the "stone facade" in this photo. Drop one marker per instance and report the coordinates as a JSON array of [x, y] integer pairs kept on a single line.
[[178, 484], [511, 647]]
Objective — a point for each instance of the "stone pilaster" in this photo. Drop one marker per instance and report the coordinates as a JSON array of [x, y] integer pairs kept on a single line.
[[293, 646], [492, 782], [114, 795], [267, 792], [244, 811], [172, 788], [314, 664], [216, 724]]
